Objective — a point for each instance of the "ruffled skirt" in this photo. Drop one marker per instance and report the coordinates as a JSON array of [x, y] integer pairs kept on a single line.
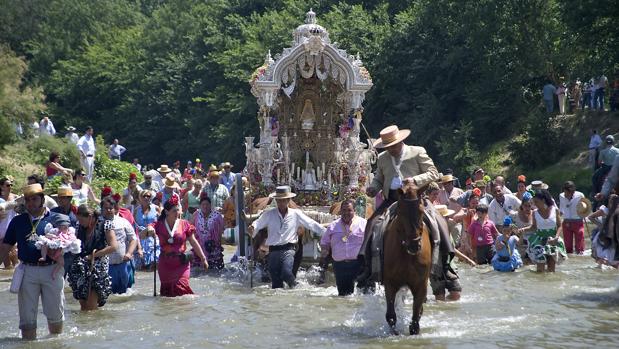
[[539, 248], [80, 276]]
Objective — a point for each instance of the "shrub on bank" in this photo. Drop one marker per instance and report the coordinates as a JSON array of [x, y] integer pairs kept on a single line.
[[110, 172]]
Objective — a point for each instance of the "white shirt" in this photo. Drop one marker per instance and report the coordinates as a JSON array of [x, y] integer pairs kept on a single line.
[[396, 181], [47, 128], [124, 235], [595, 141], [86, 145], [116, 150], [497, 212], [283, 230], [568, 207], [73, 137]]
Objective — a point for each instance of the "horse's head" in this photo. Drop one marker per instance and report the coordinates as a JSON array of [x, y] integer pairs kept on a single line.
[[410, 215]]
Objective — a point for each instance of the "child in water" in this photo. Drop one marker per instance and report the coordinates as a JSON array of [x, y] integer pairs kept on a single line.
[[507, 257], [483, 232], [60, 239]]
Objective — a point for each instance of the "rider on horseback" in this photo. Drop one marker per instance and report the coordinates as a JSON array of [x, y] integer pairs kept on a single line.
[[398, 162]]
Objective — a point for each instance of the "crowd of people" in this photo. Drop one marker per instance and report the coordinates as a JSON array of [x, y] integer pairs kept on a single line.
[[148, 225], [576, 95]]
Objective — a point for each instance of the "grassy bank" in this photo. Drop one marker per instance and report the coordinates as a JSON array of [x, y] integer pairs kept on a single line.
[[29, 156], [575, 132]]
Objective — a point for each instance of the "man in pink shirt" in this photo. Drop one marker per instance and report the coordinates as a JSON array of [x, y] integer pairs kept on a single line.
[[343, 239], [483, 233]]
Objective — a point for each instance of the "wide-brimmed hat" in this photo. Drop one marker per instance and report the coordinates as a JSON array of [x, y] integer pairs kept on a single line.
[[282, 192], [213, 173], [391, 135], [583, 207], [169, 182], [226, 164], [443, 210], [64, 192], [33, 189], [447, 178], [164, 169], [537, 185]]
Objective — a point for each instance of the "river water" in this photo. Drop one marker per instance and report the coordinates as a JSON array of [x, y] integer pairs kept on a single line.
[[576, 307]]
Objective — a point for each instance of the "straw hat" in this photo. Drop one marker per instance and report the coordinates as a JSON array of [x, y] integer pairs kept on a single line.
[[583, 207], [33, 189], [164, 169], [447, 178], [170, 182], [443, 210], [65, 192], [391, 135], [282, 192], [213, 174]]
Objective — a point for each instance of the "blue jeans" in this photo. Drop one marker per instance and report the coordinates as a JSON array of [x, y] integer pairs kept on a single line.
[[280, 267], [550, 105], [120, 274], [345, 274]]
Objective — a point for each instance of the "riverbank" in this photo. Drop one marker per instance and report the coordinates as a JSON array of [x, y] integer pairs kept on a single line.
[[575, 133]]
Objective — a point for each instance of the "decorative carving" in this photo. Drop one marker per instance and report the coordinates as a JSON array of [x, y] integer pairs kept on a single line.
[[323, 84]]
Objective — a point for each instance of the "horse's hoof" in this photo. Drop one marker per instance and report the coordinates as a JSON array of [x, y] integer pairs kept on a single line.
[[414, 329], [394, 331]]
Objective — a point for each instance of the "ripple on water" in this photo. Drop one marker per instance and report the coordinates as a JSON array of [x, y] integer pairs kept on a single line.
[[575, 307]]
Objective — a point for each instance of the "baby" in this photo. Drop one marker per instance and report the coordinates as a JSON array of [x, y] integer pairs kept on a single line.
[[60, 239]]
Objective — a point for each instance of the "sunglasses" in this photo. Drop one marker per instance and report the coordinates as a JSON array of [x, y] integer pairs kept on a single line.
[[147, 196]]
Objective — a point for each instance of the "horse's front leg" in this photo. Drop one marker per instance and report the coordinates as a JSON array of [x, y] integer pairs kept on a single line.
[[390, 293], [419, 297]]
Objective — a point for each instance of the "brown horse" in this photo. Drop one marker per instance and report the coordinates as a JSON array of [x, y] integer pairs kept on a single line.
[[407, 260]]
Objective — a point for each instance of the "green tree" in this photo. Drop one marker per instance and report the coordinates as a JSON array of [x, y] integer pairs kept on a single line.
[[18, 103]]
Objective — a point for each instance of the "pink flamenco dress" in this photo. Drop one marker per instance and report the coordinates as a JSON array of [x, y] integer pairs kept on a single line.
[[173, 266]]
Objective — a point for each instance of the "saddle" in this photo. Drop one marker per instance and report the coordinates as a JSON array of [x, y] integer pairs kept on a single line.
[[377, 228]]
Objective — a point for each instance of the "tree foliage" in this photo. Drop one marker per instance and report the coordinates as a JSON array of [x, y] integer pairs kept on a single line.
[[18, 103], [169, 78]]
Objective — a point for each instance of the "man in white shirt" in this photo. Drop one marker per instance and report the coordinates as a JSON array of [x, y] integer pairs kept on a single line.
[[46, 127], [573, 227], [594, 145], [502, 205], [86, 147], [116, 150], [137, 165], [282, 224], [500, 180], [71, 135]]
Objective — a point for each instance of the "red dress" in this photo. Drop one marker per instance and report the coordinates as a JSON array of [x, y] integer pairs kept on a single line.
[[174, 274]]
